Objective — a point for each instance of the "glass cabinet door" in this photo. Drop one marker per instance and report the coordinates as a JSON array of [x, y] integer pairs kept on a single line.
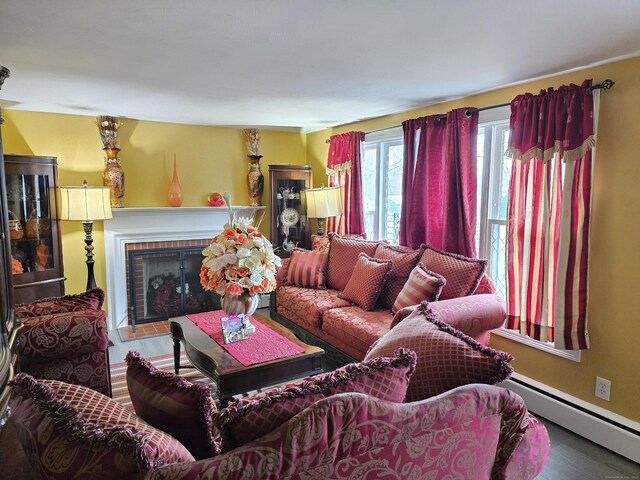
[[291, 213], [30, 219]]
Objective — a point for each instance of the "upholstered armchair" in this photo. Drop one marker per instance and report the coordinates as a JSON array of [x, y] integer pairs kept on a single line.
[[66, 339]]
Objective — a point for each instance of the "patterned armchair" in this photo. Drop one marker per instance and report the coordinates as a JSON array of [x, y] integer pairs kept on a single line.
[[66, 339]]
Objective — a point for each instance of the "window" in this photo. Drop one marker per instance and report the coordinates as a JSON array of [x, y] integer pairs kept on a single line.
[[494, 174], [382, 184]]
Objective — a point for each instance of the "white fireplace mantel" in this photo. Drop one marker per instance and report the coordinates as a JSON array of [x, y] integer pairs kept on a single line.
[[135, 225]]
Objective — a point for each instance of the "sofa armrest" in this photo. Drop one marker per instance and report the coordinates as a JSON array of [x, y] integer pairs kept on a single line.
[[474, 315], [63, 335], [345, 435]]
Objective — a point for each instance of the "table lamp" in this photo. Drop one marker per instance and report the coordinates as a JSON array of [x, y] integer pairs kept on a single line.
[[86, 204], [323, 203]]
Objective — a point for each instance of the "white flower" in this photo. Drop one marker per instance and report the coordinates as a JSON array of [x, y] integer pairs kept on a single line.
[[268, 274], [251, 263], [217, 264], [243, 252], [214, 249], [256, 279], [243, 222], [259, 242]]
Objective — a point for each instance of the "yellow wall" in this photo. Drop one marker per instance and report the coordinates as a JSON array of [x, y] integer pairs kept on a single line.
[[614, 302], [209, 159]]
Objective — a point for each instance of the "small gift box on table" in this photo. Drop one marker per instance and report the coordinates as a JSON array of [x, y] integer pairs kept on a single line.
[[234, 328]]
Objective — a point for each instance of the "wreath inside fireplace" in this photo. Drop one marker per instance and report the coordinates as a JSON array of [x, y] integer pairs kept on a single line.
[[164, 295]]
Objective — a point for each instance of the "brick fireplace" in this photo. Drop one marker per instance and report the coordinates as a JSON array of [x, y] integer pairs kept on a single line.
[[133, 229]]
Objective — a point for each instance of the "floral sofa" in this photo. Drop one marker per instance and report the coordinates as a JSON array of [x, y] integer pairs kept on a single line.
[[66, 338], [311, 299]]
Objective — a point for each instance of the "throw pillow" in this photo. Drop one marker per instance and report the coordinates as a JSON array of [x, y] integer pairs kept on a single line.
[[447, 358], [174, 405], [463, 274], [422, 285], [486, 286], [366, 281], [404, 259], [320, 243], [247, 419], [70, 431], [90, 300], [343, 255], [307, 269]]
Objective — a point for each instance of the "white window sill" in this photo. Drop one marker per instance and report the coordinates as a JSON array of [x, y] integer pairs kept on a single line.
[[573, 355]]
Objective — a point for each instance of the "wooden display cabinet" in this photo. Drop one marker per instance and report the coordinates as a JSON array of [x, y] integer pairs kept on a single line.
[[290, 226], [33, 227], [8, 325]]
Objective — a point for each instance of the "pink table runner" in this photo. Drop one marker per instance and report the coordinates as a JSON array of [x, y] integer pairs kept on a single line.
[[262, 346]]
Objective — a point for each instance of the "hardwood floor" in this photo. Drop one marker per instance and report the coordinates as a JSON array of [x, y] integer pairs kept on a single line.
[[572, 457]]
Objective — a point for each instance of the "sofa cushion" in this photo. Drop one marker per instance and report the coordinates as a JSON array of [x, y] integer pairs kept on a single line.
[[172, 404], [421, 285], [70, 431], [403, 260], [90, 300], [307, 304], [247, 419], [343, 255], [462, 274], [357, 327], [64, 334], [367, 279], [307, 269], [87, 369], [447, 358]]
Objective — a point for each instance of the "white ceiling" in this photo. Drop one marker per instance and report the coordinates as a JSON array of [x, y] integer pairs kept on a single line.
[[305, 64]]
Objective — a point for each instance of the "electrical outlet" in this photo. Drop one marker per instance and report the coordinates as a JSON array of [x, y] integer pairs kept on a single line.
[[603, 388]]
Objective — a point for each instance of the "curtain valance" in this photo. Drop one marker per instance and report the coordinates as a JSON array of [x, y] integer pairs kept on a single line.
[[554, 121]]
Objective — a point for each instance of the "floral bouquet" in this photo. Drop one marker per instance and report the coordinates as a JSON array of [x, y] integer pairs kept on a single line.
[[240, 260]]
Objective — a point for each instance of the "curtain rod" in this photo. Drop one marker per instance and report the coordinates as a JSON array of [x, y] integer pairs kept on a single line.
[[605, 85]]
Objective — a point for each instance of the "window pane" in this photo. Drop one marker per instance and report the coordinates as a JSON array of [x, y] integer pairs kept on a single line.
[[394, 193], [369, 182]]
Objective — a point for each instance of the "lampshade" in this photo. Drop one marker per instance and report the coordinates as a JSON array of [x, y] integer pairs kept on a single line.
[[323, 202], [85, 203]]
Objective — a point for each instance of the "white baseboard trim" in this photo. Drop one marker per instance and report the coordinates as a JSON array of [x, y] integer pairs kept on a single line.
[[612, 431]]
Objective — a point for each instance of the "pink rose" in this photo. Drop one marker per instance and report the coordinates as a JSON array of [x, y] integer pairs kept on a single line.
[[234, 289]]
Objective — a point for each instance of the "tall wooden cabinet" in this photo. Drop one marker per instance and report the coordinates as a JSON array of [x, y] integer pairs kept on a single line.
[[33, 227], [8, 325], [290, 226]]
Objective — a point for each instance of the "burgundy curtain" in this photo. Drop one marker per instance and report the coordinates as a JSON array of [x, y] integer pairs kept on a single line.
[[551, 137], [439, 182], [344, 169]]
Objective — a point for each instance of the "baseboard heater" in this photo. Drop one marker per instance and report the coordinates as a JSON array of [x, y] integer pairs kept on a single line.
[[612, 431]]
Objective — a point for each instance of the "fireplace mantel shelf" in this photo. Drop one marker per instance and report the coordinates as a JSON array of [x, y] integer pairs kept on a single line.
[[152, 224], [129, 211]]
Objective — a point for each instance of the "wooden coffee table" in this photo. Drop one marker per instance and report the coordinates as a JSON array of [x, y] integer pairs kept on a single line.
[[231, 377]]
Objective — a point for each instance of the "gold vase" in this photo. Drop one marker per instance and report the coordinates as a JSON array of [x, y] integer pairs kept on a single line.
[[113, 177], [255, 181]]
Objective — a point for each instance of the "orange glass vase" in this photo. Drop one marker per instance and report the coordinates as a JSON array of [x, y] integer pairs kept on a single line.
[[175, 189]]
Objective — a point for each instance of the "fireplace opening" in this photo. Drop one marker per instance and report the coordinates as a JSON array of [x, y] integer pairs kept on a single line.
[[165, 283]]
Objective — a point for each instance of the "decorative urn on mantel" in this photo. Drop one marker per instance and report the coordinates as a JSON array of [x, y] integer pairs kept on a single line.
[[113, 175], [255, 179]]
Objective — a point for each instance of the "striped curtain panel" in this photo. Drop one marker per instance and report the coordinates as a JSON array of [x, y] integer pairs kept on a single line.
[[344, 170], [552, 140]]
